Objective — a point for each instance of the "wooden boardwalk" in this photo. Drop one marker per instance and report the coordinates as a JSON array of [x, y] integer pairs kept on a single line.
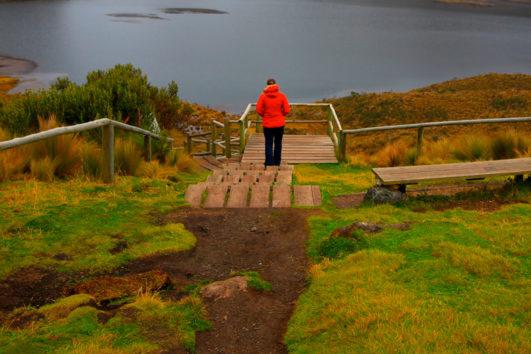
[[470, 170], [295, 149], [248, 185]]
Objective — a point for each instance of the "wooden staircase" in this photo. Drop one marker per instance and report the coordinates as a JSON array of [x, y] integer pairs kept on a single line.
[[248, 185]]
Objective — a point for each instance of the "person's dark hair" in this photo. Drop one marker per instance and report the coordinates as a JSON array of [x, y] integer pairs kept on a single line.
[[271, 81]]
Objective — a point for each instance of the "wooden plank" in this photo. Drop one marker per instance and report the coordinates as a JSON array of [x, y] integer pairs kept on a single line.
[[281, 196], [266, 177], [479, 169], [216, 196], [316, 192], [284, 177], [260, 195], [238, 196], [303, 195], [194, 194]]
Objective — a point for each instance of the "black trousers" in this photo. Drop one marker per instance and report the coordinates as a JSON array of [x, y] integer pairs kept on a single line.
[[273, 145]]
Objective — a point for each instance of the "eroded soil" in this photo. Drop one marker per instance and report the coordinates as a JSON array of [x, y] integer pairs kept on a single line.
[[271, 242]]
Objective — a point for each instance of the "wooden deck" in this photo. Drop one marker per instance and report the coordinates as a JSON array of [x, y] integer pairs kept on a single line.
[[295, 149], [469, 170]]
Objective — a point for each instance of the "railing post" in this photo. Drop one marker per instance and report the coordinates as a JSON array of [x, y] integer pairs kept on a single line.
[[342, 137], [147, 147], [228, 152], [108, 153], [188, 144], [242, 136], [420, 135], [213, 149]]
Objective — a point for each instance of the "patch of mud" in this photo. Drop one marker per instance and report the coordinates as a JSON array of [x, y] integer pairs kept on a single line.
[[108, 288], [348, 200], [271, 242], [136, 16], [192, 10], [479, 205], [32, 286]]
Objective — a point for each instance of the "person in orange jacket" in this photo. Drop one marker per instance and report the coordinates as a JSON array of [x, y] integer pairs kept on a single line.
[[273, 106]]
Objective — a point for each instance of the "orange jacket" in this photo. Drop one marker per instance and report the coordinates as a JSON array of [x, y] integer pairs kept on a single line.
[[273, 107]]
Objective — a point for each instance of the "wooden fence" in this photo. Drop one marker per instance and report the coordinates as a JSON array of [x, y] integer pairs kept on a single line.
[[107, 126], [221, 133], [420, 129]]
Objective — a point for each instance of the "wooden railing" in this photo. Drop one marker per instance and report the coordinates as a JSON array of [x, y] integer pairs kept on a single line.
[[221, 134], [420, 129], [107, 126]]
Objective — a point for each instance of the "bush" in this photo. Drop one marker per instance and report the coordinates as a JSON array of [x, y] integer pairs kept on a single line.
[[151, 169], [43, 169], [509, 145], [62, 151], [13, 161], [92, 159], [122, 93], [472, 148], [185, 163], [127, 156], [391, 155]]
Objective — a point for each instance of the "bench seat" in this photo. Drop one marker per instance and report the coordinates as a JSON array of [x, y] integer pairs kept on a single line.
[[469, 170]]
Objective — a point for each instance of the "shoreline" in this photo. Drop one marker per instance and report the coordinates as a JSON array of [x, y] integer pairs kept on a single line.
[[13, 66]]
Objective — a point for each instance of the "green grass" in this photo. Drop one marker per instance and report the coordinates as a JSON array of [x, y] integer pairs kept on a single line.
[[147, 325], [85, 220], [455, 281]]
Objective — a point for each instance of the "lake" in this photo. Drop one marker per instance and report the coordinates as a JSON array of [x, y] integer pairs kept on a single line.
[[315, 49]]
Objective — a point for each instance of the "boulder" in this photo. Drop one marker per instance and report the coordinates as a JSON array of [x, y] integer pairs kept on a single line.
[[224, 288], [382, 195]]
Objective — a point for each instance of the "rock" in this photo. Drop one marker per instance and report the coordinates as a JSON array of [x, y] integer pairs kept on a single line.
[[224, 288], [350, 231], [108, 288], [254, 229], [381, 195]]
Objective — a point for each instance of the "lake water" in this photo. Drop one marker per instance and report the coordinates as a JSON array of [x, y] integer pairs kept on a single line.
[[314, 48]]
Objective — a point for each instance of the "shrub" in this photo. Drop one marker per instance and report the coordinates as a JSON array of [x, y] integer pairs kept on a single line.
[[185, 163], [13, 161], [151, 169], [472, 148], [127, 156], [122, 93], [62, 151], [337, 247], [509, 145], [92, 159], [391, 155], [43, 169]]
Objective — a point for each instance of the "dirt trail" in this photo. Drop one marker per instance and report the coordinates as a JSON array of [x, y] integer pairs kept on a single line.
[[271, 242]]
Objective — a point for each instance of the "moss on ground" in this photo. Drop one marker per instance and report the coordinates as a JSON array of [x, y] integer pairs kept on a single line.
[[452, 281], [80, 225]]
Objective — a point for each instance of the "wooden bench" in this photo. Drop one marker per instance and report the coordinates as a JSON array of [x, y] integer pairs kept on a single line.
[[402, 176]]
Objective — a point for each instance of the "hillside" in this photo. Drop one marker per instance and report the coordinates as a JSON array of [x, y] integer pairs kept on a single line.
[[484, 96]]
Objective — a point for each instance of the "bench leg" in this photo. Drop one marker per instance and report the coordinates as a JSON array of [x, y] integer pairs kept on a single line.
[[402, 188], [519, 178]]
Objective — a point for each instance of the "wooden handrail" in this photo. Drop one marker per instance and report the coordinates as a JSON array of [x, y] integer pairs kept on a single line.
[[106, 124], [421, 126], [438, 124]]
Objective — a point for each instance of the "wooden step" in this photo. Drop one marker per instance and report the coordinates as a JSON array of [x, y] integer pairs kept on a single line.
[[216, 196], [260, 195], [281, 196], [238, 196], [194, 193], [307, 195]]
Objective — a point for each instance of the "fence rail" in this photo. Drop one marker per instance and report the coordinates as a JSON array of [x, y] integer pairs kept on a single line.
[[107, 126], [220, 134], [420, 129]]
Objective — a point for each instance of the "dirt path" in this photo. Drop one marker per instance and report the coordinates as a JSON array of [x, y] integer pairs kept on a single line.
[[271, 242]]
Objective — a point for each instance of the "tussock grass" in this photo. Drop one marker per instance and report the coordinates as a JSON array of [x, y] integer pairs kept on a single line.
[[13, 162], [127, 156]]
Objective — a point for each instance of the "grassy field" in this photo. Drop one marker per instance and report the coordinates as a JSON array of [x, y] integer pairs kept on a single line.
[[430, 281], [83, 221]]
